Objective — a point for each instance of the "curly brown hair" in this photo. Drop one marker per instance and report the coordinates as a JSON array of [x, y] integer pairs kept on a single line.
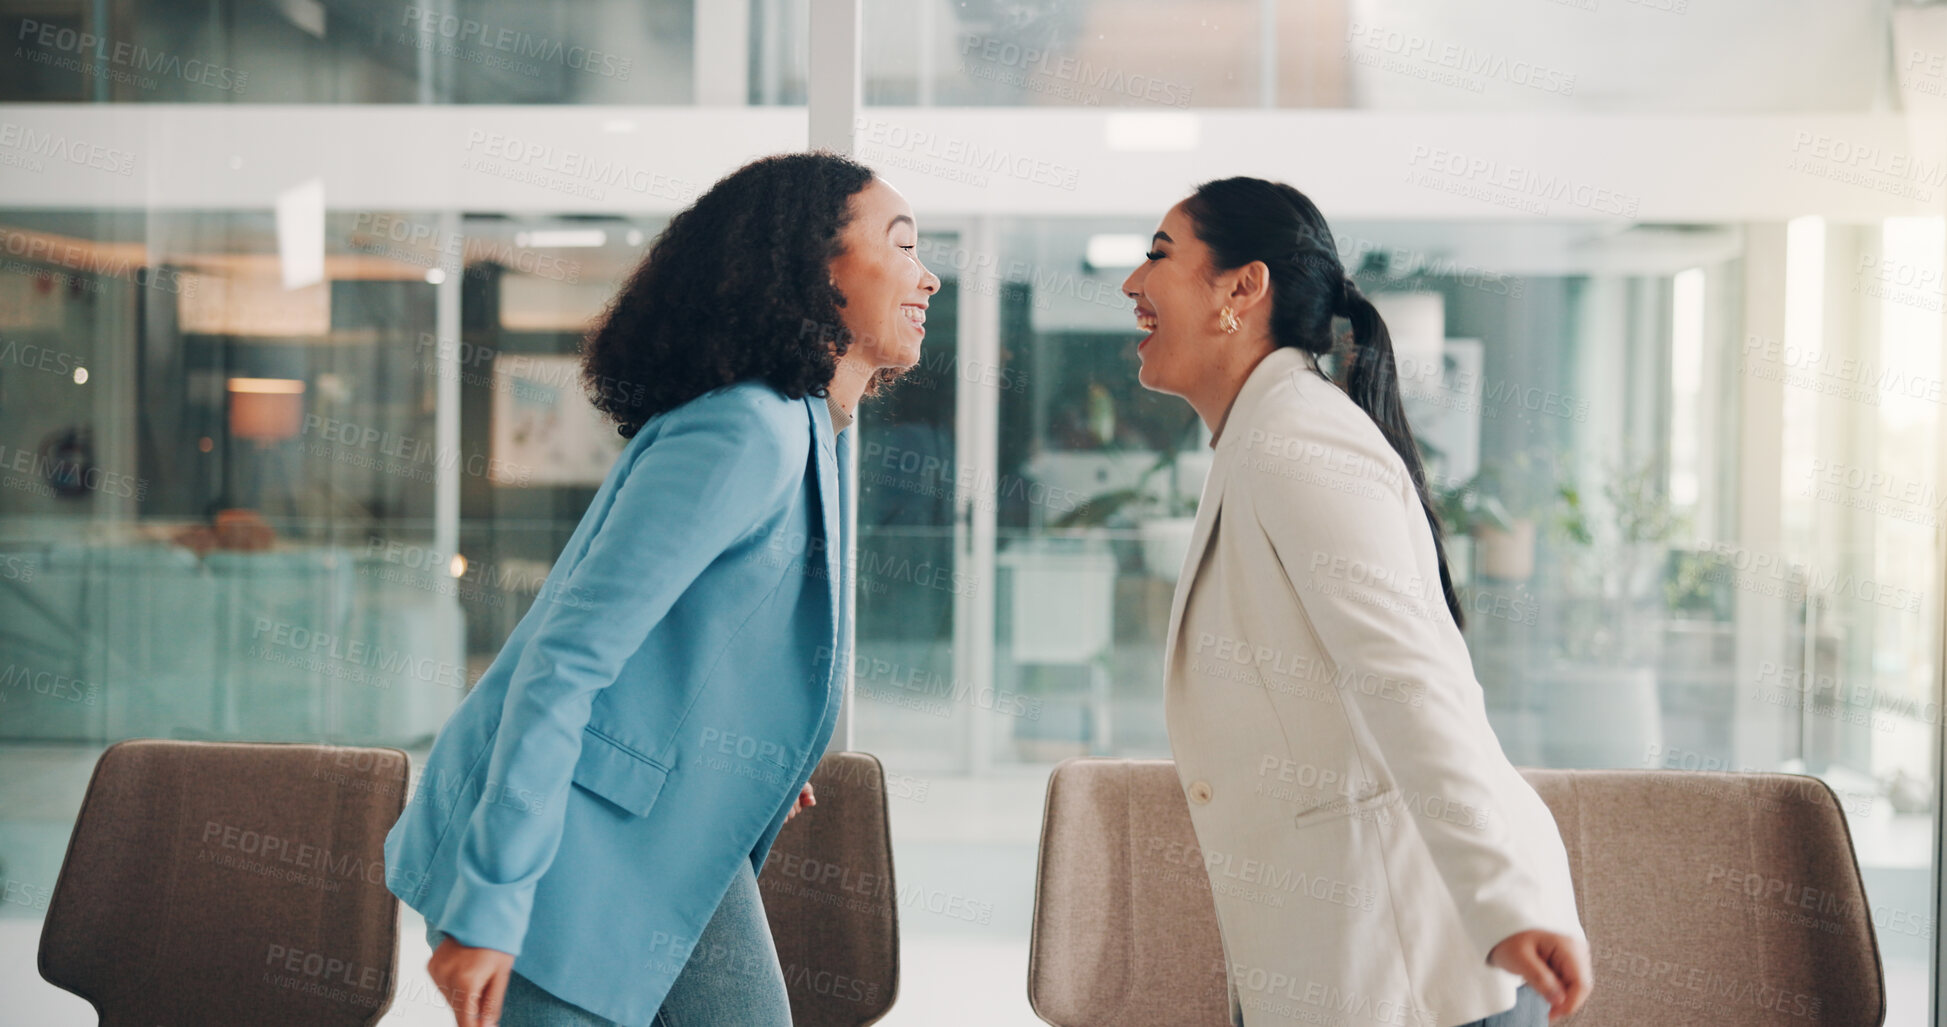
[[736, 288]]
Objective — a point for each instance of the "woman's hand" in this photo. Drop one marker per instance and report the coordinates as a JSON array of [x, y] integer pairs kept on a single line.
[[473, 981], [1555, 965], [805, 801]]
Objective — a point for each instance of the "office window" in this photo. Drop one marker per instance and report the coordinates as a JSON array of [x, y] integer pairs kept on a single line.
[[290, 432]]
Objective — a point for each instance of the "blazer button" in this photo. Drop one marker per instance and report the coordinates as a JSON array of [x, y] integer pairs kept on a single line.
[[1199, 792]]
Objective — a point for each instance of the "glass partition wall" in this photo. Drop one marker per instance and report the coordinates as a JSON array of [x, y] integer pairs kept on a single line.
[[290, 429]]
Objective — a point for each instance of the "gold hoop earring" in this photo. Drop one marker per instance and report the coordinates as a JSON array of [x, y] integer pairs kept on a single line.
[[1227, 320]]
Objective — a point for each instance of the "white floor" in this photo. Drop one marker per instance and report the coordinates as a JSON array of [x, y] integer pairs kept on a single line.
[[943, 983]]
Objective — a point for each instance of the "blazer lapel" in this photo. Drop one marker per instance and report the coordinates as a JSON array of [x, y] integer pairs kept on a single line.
[[830, 516], [1207, 508], [843, 558], [1276, 366]]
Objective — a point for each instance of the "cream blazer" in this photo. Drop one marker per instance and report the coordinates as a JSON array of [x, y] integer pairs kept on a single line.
[[1366, 840]]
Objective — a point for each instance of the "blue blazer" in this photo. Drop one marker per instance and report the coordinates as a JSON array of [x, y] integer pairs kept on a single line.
[[652, 717]]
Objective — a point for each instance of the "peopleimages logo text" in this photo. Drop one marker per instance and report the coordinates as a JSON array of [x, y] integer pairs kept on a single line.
[[523, 158], [1004, 53], [131, 56], [1526, 183], [66, 149], [463, 32]]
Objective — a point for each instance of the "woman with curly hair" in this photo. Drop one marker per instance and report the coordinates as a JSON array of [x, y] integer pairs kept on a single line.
[[586, 833]]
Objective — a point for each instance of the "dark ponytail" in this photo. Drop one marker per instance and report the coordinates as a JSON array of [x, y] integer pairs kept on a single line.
[[1372, 380], [1247, 219]]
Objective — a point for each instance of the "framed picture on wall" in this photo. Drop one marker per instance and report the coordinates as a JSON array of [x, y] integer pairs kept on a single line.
[[545, 431]]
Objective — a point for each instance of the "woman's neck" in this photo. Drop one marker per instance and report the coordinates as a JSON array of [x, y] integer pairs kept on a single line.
[[1213, 402], [849, 381]]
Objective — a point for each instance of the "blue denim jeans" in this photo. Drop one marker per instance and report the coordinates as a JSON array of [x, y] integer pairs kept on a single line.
[[1530, 1010], [732, 976]]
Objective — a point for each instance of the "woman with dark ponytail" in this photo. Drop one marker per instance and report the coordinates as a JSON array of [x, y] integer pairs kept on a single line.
[[1373, 855]]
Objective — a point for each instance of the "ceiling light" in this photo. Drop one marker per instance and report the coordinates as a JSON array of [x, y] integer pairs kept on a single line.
[[267, 385], [1116, 251], [1147, 132], [560, 238]]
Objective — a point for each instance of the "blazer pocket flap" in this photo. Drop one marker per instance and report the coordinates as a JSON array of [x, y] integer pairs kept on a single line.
[[621, 775], [1370, 803]]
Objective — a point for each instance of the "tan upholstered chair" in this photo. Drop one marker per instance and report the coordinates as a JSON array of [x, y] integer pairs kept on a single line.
[[829, 893], [1727, 900], [1124, 931], [1732, 900], [230, 885]]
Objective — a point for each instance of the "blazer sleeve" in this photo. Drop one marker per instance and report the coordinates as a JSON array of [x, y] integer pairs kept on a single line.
[[718, 466], [1346, 526]]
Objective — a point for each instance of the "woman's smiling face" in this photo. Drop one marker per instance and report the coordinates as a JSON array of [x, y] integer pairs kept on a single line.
[[1176, 305], [886, 288]]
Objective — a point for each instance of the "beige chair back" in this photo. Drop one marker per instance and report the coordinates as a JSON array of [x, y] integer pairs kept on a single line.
[[1728, 899], [1124, 931], [828, 890], [1725, 899], [230, 884]]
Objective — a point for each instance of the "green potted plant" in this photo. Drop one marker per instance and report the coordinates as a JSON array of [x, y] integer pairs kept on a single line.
[[1602, 704], [1490, 518], [1615, 562], [1521, 489], [1460, 505], [1161, 507]]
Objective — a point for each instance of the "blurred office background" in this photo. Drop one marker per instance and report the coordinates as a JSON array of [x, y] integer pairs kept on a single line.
[[290, 431]]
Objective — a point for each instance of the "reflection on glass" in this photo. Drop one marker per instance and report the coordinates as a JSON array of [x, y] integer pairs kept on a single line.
[[240, 51], [1689, 469]]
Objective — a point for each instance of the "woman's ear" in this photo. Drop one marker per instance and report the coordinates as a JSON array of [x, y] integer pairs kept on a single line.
[[1253, 284]]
